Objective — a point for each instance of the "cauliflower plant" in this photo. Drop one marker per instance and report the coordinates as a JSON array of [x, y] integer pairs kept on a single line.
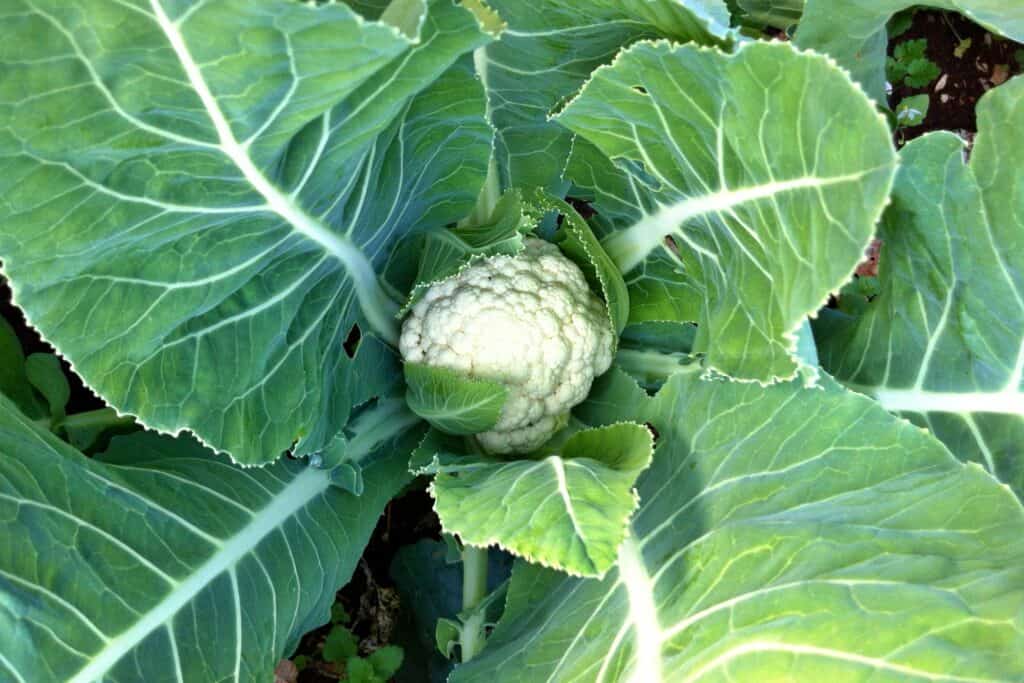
[[528, 321]]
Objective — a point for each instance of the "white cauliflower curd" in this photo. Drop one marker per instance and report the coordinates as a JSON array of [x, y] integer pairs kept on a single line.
[[528, 321]]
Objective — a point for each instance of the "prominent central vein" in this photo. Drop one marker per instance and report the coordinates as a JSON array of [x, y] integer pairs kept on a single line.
[[643, 614], [1005, 402], [629, 247], [563, 491], [309, 484], [378, 308]]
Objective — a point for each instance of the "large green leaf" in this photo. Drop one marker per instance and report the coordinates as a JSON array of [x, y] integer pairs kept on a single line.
[[943, 343], [452, 402], [740, 189], [162, 562], [853, 31], [549, 49], [567, 510], [784, 534], [195, 197], [777, 13]]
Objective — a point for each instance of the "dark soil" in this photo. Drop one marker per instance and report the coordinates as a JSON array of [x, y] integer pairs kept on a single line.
[[987, 62], [370, 597]]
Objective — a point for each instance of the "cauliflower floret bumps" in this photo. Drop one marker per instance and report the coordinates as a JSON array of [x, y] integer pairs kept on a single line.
[[528, 321]]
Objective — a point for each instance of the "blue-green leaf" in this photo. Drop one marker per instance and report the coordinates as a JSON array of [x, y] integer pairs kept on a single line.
[[197, 197], [161, 561], [738, 190], [943, 342], [784, 534], [547, 52]]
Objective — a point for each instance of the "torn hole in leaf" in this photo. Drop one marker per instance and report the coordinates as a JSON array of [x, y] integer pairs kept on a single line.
[[653, 430], [351, 344], [640, 89]]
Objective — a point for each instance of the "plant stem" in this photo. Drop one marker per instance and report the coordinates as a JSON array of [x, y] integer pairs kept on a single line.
[[806, 348], [376, 425], [653, 368], [474, 590], [104, 418], [490, 193], [945, 19]]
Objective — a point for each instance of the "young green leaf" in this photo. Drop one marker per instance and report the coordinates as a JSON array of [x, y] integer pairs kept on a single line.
[[446, 637], [567, 510], [577, 241], [340, 644], [921, 72], [358, 670], [911, 111], [452, 402], [90, 430], [386, 661], [338, 614], [909, 64]]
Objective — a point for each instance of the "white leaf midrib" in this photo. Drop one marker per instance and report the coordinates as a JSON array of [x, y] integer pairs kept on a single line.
[[1004, 402], [643, 613], [563, 492], [378, 309], [298, 493], [630, 246]]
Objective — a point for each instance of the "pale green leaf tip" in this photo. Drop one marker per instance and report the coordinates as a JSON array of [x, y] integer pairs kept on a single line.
[[406, 16], [489, 21]]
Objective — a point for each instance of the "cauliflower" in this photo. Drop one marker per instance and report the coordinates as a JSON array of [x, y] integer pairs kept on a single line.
[[528, 321]]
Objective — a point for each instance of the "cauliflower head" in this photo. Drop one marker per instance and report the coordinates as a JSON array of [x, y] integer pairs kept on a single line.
[[528, 321]]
